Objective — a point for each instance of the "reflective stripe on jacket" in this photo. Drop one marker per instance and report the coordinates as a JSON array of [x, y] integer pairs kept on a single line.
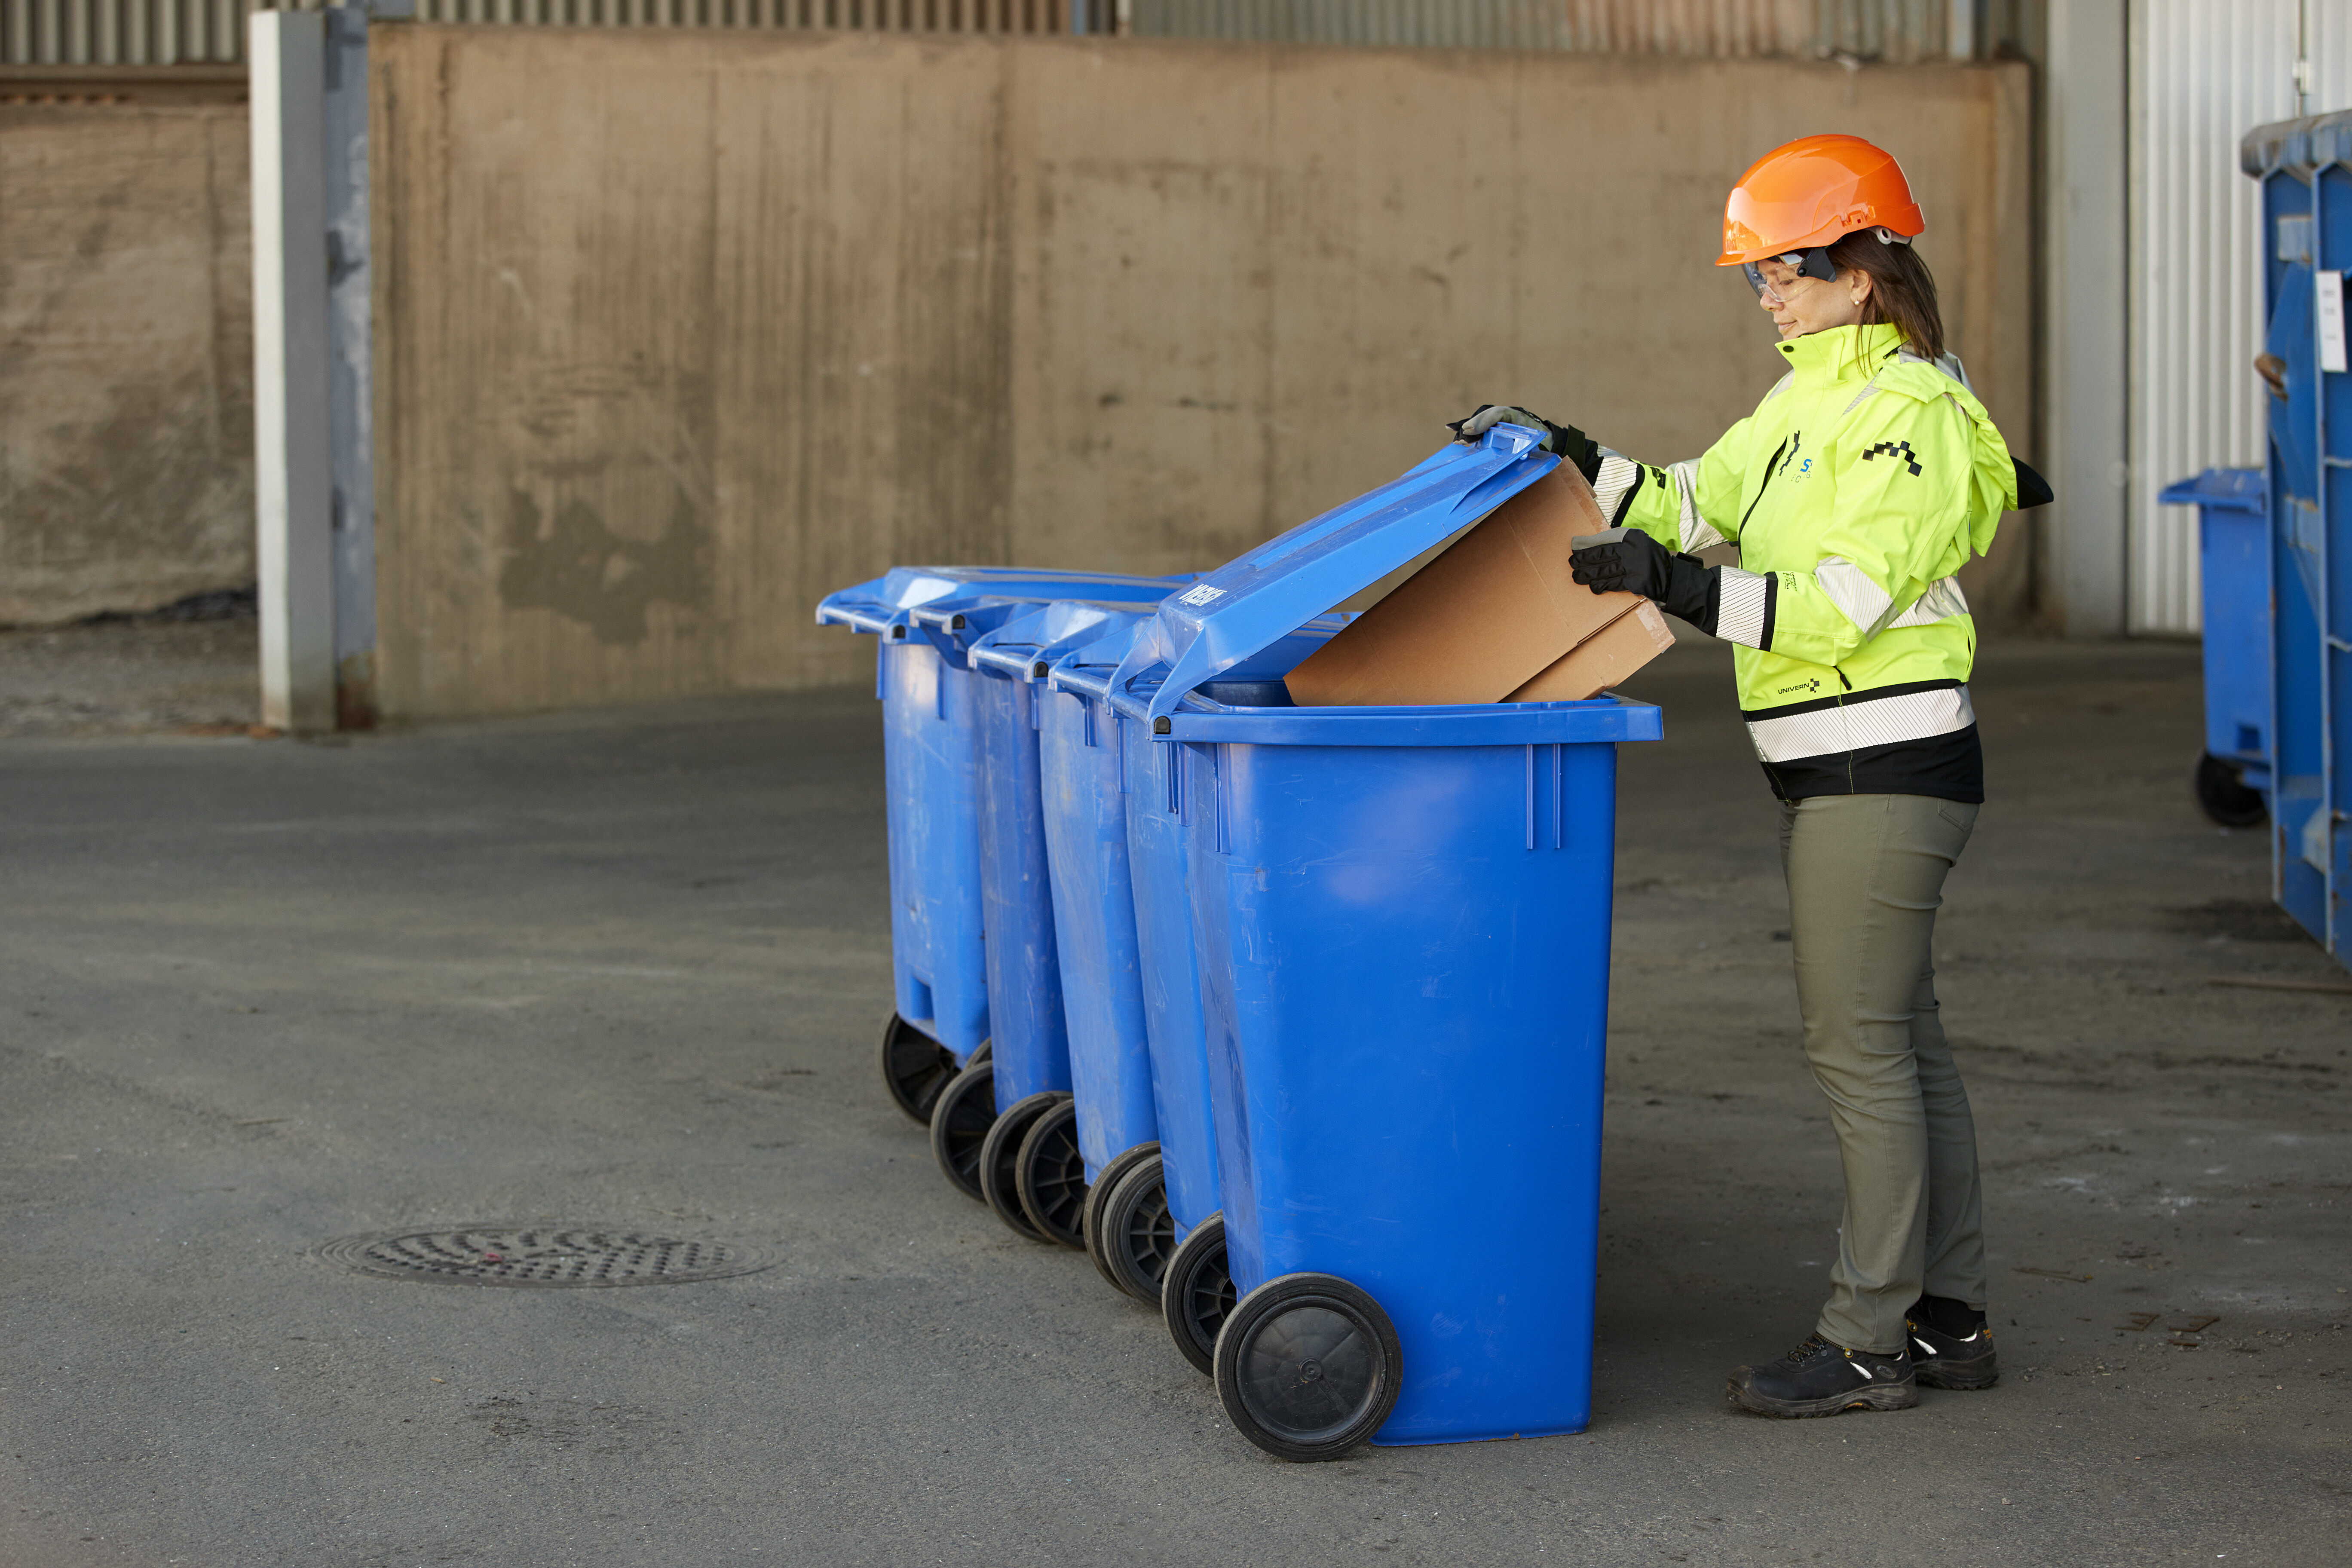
[[1859, 485]]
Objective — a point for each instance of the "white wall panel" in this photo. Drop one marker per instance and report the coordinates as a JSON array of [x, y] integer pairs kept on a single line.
[[2205, 72]]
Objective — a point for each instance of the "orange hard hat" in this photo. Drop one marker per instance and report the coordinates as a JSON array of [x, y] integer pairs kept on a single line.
[[1810, 193]]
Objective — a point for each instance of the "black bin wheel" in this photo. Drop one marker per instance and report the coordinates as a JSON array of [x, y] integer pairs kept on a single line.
[[1000, 1159], [1196, 1294], [2222, 791], [1308, 1367], [1052, 1175], [1091, 1222], [915, 1068], [1138, 1233], [960, 1118]]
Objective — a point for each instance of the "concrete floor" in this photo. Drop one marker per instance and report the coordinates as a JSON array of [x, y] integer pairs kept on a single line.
[[256, 995]]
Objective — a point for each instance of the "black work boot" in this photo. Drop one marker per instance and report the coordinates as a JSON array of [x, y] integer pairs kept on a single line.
[[1950, 1345], [1818, 1378]]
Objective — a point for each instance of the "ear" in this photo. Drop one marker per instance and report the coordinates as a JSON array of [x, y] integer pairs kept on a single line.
[[1860, 283]]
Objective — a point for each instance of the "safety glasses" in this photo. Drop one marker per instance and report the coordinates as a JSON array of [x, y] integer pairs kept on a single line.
[[1813, 263]]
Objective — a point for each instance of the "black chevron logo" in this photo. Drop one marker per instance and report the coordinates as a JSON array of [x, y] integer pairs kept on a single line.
[[1896, 450]]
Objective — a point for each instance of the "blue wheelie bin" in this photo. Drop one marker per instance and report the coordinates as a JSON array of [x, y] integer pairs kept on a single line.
[[1027, 1168], [925, 618], [2232, 780], [1402, 916], [1112, 1120], [1146, 1117]]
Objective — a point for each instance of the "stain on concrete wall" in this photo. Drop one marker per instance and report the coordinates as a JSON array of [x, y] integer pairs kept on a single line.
[[680, 332], [126, 358], [611, 512]]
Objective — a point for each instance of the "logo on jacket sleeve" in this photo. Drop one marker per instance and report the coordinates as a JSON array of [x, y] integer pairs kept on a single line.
[[1896, 450]]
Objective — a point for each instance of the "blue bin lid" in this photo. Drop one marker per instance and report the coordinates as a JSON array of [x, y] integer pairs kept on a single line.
[[1024, 648], [2220, 489], [889, 600], [1094, 670], [1250, 603]]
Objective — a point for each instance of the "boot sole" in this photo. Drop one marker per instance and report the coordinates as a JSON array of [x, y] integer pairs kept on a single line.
[[1877, 1397], [1959, 1379]]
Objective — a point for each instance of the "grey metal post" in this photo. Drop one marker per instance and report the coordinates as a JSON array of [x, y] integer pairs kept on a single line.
[[2087, 290], [349, 326], [293, 482], [314, 426]]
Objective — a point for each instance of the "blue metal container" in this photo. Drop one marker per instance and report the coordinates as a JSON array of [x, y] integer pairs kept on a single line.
[[2306, 170], [1402, 917], [926, 618], [2234, 775]]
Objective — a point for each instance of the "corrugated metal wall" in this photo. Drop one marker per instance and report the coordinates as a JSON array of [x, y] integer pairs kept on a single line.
[[2206, 72], [208, 32], [174, 32], [888, 15], [122, 32], [1897, 31]]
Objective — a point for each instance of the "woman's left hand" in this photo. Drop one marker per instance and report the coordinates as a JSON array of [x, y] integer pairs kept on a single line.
[[1628, 561]]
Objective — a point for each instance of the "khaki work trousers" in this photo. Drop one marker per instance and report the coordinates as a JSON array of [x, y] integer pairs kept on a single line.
[[1866, 876]]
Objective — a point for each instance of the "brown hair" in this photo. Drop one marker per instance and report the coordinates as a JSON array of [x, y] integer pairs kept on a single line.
[[1902, 291]]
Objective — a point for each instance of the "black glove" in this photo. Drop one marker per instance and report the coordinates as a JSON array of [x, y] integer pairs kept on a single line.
[[1572, 445], [1628, 561], [2032, 490]]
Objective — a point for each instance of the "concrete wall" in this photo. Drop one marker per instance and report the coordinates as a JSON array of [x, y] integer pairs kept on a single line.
[[678, 332], [126, 357]]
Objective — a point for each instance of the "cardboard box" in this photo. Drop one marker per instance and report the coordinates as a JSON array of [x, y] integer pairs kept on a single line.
[[1602, 659], [1494, 618]]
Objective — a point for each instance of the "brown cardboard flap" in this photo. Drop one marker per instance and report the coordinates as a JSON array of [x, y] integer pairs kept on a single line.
[[1495, 611], [1602, 659]]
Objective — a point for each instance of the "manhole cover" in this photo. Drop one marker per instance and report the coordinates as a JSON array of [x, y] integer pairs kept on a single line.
[[541, 1256]]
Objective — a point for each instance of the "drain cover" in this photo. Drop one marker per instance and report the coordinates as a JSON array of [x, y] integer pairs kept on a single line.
[[541, 1256]]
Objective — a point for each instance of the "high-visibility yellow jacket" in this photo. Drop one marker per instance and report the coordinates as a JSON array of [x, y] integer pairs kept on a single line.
[[1859, 486]]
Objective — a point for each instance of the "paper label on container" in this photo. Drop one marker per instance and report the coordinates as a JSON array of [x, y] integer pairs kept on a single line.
[[2330, 286], [1202, 595]]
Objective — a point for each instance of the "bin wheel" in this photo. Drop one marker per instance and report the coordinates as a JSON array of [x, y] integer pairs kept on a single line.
[[915, 1068], [2222, 791], [1308, 1367], [1138, 1233], [960, 1118], [1196, 1294], [1052, 1175], [1000, 1157], [1091, 1221]]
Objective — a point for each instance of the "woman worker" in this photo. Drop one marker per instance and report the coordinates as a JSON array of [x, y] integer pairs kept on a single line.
[[1855, 490]]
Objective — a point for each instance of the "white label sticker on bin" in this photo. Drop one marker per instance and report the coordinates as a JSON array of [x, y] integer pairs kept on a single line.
[[2331, 319], [1205, 595]]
